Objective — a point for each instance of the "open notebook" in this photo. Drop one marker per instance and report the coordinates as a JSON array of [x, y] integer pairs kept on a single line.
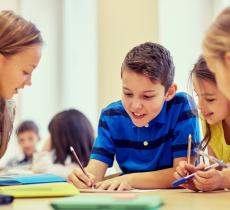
[[121, 202], [40, 190], [29, 179]]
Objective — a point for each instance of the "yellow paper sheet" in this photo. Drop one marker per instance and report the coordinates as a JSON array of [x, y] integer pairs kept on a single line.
[[40, 190]]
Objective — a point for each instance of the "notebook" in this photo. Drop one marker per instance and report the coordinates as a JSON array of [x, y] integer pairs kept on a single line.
[[40, 190], [29, 179], [118, 202]]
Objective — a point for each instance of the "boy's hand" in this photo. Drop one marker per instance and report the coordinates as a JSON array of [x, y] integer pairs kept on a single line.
[[184, 169], [80, 180], [208, 180], [116, 184]]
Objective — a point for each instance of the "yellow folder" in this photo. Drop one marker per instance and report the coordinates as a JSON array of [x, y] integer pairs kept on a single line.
[[40, 190]]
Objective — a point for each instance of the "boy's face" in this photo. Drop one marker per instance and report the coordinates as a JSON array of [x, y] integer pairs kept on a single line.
[[142, 99], [213, 105], [27, 141]]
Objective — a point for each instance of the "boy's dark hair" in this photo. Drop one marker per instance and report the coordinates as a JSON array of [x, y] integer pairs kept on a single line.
[[27, 125], [71, 128], [201, 71], [151, 60]]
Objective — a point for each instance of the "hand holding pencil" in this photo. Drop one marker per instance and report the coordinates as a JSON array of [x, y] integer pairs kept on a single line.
[[79, 177]]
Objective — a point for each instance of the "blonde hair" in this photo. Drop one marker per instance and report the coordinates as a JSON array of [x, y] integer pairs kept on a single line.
[[217, 39], [16, 33]]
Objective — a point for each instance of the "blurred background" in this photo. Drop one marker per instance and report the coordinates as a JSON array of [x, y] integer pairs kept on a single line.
[[86, 42]]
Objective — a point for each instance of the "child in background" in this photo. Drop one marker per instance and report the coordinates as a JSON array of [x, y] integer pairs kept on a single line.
[[67, 128], [28, 136], [147, 131], [215, 118]]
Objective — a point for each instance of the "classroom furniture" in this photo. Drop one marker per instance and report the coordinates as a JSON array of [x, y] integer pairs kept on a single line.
[[175, 199]]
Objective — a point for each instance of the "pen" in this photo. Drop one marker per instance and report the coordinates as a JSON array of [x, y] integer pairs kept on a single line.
[[189, 148], [211, 158], [186, 178]]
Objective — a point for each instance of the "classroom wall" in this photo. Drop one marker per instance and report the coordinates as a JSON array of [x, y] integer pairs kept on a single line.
[[182, 25], [121, 26]]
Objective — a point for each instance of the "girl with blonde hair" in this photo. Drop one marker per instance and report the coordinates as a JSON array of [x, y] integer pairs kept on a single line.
[[20, 52]]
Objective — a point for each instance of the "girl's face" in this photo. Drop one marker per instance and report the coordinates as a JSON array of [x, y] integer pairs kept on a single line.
[[16, 70], [213, 105], [222, 74]]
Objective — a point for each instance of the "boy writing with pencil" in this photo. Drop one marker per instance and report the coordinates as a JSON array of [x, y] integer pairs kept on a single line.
[[147, 131]]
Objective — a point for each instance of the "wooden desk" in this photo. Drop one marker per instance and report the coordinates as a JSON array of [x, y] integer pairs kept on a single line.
[[174, 200]]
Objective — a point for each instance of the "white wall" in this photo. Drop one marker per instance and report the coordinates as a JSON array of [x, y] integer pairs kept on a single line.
[[79, 70], [182, 24]]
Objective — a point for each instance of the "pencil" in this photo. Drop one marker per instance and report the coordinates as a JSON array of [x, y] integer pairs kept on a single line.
[[78, 161], [189, 148]]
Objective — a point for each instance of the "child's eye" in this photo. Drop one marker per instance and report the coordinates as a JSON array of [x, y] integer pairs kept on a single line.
[[25, 73], [148, 97], [210, 100], [128, 94]]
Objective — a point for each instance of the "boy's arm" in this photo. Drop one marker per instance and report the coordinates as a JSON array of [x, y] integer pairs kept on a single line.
[[154, 179], [144, 180]]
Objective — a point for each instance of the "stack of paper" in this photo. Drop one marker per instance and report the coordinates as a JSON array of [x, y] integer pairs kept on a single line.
[[121, 202]]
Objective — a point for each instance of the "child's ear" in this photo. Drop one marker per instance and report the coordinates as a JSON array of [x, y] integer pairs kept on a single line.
[[171, 92]]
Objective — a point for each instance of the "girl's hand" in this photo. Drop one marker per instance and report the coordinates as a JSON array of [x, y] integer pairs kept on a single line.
[[184, 169], [208, 180], [116, 184], [80, 180]]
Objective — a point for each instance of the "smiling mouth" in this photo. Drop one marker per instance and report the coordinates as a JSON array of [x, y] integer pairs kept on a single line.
[[208, 114], [137, 115]]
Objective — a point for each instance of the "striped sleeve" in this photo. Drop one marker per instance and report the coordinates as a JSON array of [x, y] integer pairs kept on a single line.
[[103, 149], [187, 123]]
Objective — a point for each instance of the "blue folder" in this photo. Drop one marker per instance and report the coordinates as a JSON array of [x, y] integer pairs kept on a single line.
[[29, 179]]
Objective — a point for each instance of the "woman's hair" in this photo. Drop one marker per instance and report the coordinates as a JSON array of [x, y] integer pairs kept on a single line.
[[217, 39], [201, 72], [71, 128], [16, 33], [27, 125]]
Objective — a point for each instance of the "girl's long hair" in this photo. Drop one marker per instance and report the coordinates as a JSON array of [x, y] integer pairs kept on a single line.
[[201, 72], [71, 128]]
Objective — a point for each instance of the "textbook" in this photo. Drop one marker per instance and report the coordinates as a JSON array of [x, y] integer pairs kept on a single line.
[[40, 190], [118, 202], [29, 179]]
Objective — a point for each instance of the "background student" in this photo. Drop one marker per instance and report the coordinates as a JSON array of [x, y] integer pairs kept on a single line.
[[147, 131], [28, 136], [215, 117], [20, 52], [67, 128]]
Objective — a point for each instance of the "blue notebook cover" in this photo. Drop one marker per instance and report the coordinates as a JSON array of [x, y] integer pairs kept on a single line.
[[30, 179]]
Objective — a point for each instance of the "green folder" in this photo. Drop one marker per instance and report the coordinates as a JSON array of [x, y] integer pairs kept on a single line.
[[102, 202]]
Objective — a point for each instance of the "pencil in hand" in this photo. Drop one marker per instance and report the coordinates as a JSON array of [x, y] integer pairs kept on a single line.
[[189, 148], [79, 163]]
